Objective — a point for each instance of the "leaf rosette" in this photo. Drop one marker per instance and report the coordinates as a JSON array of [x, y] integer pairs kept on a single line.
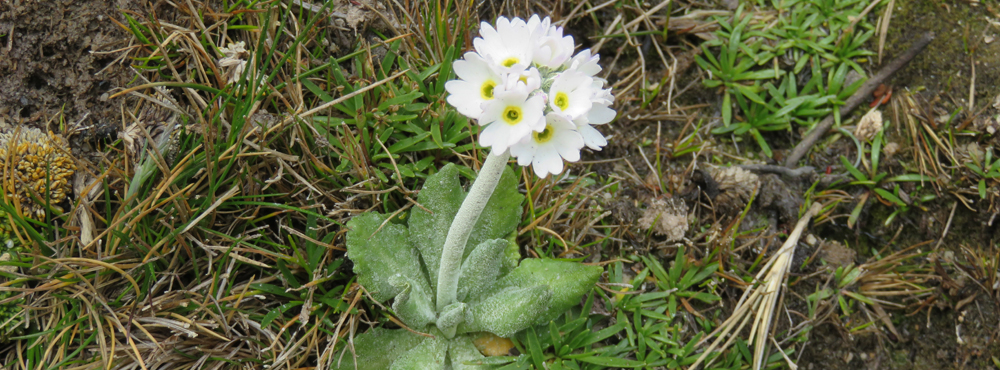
[[400, 262]]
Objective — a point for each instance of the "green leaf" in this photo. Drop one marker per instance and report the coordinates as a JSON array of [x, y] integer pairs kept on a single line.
[[462, 352], [569, 281], [414, 304], [853, 170], [535, 349], [442, 194], [508, 311], [378, 348], [890, 196], [727, 108], [428, 355], [611, 361], [451, 316], [378, 254], [481, 269], [910, 177]]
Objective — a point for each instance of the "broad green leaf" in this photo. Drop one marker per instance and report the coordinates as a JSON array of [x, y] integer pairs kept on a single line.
[[509, 311], [379, 254], [451, 316], [378, 348], [414, 304], [569, 281], [428, 355], [481, 269], [442, 194], [461, 351]]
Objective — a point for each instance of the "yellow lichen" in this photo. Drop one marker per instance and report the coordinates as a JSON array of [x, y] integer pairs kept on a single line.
[[35, 165]]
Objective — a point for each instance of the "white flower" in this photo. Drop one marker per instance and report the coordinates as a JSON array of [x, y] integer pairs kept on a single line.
[[591, 137], [528, 78], [507, 45], [546, 150], [476, 84], [601, 112], [511, 115], [571, 94], [551, 48], [585, 63]]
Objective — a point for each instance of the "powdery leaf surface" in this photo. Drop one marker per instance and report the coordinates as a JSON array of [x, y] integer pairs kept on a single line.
[[414, 304], [378, 256], [378, 348], [481, 269], [463, 350], [442, 194], [428, 355], [569, 281], [508, 311]]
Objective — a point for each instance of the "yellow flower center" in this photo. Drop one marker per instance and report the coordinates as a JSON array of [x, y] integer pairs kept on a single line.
[[561, 100], [487, 90], [512, 115], [523, 79], [545, 135], [510, 61]]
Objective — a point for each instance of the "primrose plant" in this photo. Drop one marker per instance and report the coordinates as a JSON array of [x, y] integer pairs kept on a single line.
[[451, 268]]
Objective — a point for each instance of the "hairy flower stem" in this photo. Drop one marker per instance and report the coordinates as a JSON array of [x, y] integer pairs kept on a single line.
[[461, 227]]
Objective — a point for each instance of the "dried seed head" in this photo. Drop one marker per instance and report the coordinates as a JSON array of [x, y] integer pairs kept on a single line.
[[869, 126], [736, 185], [670, 217], [35, 165]]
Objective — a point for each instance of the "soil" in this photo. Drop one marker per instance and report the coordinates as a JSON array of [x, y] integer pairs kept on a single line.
[[56, 57]]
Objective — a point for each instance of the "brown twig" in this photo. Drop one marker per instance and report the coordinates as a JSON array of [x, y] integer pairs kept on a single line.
[[778, 170], [866, 89]]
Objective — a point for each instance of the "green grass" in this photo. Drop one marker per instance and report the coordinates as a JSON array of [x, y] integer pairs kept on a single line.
[[220, 241]]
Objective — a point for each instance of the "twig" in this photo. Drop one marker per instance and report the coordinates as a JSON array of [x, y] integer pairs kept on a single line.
[[778, 170], [947, 226], [866, 89]]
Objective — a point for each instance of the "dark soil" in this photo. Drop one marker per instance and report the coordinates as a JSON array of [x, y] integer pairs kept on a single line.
[[57, 56]]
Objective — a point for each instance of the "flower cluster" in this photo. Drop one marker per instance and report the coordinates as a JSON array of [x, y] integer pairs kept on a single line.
[[534, 97]]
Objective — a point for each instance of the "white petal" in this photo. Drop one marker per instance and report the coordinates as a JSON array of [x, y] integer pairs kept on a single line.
[[600, 114], [464, 96], [568, 143], [591, 137], [473, 68], [547, 161], [494, 136], [524, 151]]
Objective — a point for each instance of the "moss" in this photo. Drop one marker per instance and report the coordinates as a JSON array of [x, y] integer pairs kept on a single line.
[[945, 66]]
